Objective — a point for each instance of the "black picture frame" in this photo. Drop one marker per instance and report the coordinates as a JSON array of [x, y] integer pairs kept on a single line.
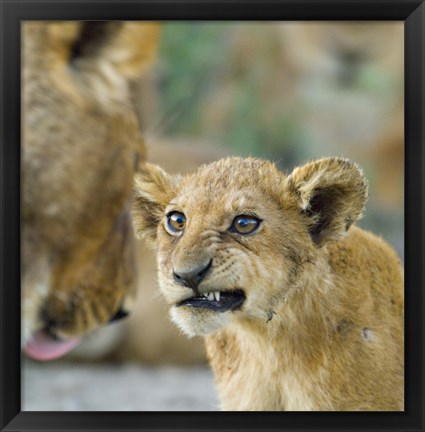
[[412, 12]]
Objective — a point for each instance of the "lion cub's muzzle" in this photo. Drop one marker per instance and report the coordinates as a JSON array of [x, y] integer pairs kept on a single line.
[[215, 300]]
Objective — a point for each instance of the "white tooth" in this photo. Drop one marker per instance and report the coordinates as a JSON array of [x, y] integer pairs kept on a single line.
[[210, 296], [217, 295]]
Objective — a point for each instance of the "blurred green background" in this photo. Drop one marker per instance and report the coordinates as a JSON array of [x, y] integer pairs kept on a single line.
[[194, 66]]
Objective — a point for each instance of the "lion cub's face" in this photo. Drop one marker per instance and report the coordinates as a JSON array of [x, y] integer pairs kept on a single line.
[[233, 237]]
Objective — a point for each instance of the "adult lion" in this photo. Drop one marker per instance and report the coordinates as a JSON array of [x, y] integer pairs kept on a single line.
[[81, 147]]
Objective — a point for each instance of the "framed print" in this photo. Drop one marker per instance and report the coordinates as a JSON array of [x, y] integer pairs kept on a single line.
[[306, 118]]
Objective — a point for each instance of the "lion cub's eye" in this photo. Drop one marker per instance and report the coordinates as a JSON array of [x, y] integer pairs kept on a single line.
[[176, 221], [245, 224]]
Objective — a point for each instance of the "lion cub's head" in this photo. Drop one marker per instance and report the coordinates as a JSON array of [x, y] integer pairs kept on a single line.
[[233, 237]]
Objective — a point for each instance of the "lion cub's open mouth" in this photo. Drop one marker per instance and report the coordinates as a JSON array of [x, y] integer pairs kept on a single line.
[[218, 301]]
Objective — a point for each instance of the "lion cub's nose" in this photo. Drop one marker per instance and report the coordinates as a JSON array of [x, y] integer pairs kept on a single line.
[[193, 277]]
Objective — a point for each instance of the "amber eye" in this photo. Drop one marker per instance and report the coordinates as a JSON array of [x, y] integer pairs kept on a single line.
[[245, 224], [176, 221]]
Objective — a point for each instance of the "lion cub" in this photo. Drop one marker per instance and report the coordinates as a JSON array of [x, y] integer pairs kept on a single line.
[[300, 309]]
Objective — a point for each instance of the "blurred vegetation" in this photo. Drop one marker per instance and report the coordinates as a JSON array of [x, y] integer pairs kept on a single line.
[[193, 49], [193, 64]]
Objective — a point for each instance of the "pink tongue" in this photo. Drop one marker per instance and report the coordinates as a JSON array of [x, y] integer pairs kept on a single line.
[[44, 347]]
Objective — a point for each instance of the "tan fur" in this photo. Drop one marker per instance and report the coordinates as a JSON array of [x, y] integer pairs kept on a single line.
[[322, 324], [81, 144]]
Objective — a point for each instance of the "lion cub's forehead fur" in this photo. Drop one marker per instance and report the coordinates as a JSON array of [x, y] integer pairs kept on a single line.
[[233, 181]]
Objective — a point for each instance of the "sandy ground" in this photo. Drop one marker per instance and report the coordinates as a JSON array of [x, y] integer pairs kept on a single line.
[[129, 387]]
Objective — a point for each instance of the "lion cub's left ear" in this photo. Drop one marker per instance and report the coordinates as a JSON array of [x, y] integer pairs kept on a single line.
[[331, 193], [153, 190]]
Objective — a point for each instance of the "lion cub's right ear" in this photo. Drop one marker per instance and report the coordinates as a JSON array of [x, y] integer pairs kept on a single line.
[[153, 190]]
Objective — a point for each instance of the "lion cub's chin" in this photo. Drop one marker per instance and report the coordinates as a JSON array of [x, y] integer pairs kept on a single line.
[[198, 322]]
